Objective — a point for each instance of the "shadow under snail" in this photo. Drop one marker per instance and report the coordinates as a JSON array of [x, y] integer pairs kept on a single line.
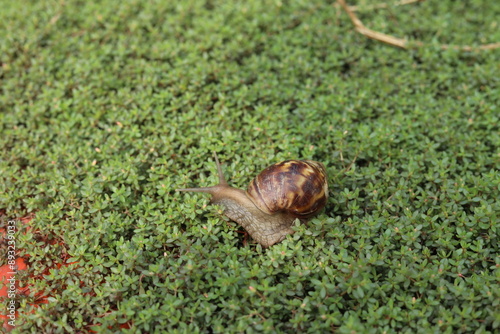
[[274, 199]]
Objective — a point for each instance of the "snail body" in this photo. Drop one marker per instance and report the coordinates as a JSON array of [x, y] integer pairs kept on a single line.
[[273, 200]]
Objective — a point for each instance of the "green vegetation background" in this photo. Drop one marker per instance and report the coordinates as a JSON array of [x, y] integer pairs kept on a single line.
[[107, 106]]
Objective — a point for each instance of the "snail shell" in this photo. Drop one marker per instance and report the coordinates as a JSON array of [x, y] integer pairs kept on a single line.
[[298, 187], [274, 199]]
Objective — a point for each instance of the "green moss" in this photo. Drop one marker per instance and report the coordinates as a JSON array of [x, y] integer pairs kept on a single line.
[[107, 107]]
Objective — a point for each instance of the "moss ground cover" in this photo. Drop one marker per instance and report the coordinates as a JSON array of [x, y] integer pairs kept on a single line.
[[107, 106]]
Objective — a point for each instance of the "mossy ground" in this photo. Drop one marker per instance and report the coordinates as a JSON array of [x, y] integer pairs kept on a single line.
[[107, 107]]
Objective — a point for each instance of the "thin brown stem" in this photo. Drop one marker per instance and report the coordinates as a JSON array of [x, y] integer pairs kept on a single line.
[[401, 42]]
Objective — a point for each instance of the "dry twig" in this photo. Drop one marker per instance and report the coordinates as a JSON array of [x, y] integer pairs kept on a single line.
[[401, 42]]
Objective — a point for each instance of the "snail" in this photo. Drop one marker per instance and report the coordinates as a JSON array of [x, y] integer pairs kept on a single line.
[[274, 199]]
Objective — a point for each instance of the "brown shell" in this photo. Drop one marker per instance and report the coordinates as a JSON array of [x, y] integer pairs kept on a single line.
[[299, 187]]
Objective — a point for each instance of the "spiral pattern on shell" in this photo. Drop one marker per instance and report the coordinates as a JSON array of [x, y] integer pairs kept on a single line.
[[298, 187]]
